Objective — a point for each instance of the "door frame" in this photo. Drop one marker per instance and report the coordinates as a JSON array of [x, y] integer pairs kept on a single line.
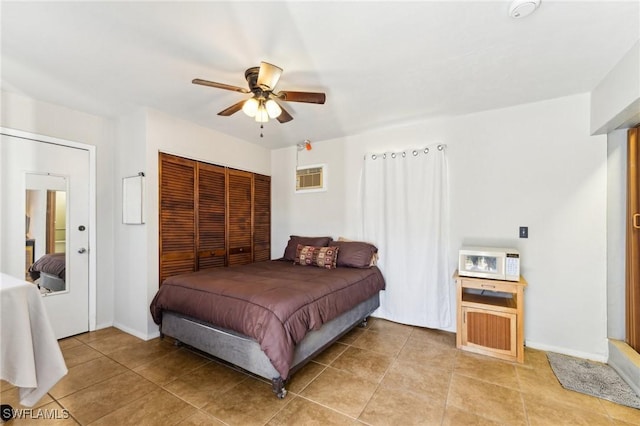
[[92, 206], [632, 266]]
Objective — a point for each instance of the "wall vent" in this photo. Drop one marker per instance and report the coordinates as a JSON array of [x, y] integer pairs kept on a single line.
[[311, 178]]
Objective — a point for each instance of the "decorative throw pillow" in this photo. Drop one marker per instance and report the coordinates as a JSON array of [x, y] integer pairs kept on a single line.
[[356, 254], [294, 240], [322, 257]]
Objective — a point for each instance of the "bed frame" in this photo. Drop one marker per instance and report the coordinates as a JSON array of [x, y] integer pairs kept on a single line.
[[51, 282], [245, 352]]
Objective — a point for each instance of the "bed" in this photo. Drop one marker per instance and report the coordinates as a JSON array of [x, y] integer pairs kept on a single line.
[[49, 272], [270, 318]]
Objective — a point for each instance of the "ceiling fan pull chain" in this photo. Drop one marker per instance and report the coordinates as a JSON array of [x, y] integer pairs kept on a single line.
[[261, 127]]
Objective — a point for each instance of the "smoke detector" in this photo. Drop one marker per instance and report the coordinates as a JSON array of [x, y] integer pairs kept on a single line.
[[521, 8]]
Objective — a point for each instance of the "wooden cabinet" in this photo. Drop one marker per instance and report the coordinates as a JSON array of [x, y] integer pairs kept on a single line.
[[491, 317], [211, 216]]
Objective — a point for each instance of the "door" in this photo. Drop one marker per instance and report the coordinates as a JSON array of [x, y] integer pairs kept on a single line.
[[239, 217], [210, 213], [36, 170], [633, 240], [261, 218], [489, 330], [177, 216]]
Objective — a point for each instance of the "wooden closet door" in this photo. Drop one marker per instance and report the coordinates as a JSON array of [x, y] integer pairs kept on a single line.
[[261, 218], [239, 217], [177, 215], [211, 216], [633, 240]]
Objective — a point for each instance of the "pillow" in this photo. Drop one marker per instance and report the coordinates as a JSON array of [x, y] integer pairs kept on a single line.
[[323, 257], [356, 254], [294, 240]]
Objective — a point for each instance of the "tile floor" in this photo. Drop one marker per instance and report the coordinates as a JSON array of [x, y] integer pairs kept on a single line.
[[386, 374]]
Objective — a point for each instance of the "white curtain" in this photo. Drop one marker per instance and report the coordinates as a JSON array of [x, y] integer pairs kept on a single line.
[[405, 213]]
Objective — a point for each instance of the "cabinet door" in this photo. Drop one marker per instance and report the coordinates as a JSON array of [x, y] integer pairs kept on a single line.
[[210, 214], [177, 215], [239, 217], [489, 332], [261, 218]]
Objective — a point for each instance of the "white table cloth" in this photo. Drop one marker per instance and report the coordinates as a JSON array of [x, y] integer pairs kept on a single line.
[[30, 357]]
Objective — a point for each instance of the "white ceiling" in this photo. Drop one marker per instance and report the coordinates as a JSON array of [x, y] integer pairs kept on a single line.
[[380, 63]]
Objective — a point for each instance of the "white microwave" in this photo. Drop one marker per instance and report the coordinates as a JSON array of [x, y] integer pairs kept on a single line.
[[489, 262]]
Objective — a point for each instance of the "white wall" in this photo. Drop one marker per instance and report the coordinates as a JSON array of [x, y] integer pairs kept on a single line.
[[532, 165], [26, 114], [130, 240], [306, 210], [140, 137], [616, 232], [615, 102]]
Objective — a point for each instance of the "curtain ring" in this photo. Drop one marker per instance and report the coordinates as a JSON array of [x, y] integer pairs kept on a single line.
[[373, 157], [404, 154], [426, 150], [440, 147], [384, 156], [415, 152], [393, 155]]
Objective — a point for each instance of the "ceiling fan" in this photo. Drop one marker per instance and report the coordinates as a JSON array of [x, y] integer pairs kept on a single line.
[[264, 103]]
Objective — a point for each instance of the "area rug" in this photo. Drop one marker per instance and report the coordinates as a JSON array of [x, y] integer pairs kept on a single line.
[[592, 378]]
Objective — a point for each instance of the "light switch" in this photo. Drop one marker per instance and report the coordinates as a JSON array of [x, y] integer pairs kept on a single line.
[[524, 232]]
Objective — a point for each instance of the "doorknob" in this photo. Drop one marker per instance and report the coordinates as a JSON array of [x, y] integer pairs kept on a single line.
[[82, 250]]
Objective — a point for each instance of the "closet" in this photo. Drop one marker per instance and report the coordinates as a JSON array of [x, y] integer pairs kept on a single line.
[[211, 216]]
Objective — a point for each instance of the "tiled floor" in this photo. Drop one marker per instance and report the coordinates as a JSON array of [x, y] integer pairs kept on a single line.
[[386, 374]]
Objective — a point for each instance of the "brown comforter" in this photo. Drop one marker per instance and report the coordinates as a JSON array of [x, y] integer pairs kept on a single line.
[[52, 263], [274, 302]]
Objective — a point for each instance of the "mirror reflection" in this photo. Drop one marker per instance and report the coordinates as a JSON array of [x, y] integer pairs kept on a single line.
[[46, 232]]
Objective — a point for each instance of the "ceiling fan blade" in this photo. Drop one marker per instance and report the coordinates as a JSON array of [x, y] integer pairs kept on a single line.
[[268, 76], [232, 109], [308, 97], [284, 116], [219, 85]]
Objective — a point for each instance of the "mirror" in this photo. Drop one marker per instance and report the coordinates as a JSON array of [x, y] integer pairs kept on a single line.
[[46, 231]]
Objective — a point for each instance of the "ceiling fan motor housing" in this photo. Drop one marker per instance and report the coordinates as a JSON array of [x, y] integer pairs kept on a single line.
[[251, 75]]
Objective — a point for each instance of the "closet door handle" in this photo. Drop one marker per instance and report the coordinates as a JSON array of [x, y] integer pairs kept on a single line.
[[636, 220]]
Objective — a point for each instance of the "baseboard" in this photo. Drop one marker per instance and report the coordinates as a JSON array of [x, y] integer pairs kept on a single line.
[[102, 325], [626, 361], [565, 351], [136, 333]]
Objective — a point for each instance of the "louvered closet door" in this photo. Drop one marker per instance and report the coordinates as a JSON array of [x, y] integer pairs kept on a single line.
[[239, 217], [211, 216], [177, 216], [261, 218]]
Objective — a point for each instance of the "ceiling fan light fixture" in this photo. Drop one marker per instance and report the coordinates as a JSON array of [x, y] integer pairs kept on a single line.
[[250, 107], [262, 116], [268, 76], [273, 109]]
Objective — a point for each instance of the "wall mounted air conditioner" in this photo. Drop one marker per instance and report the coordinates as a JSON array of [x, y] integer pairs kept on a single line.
[[311, 178]]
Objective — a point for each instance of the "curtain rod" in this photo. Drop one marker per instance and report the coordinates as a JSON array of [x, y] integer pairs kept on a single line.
[[414, 152]]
